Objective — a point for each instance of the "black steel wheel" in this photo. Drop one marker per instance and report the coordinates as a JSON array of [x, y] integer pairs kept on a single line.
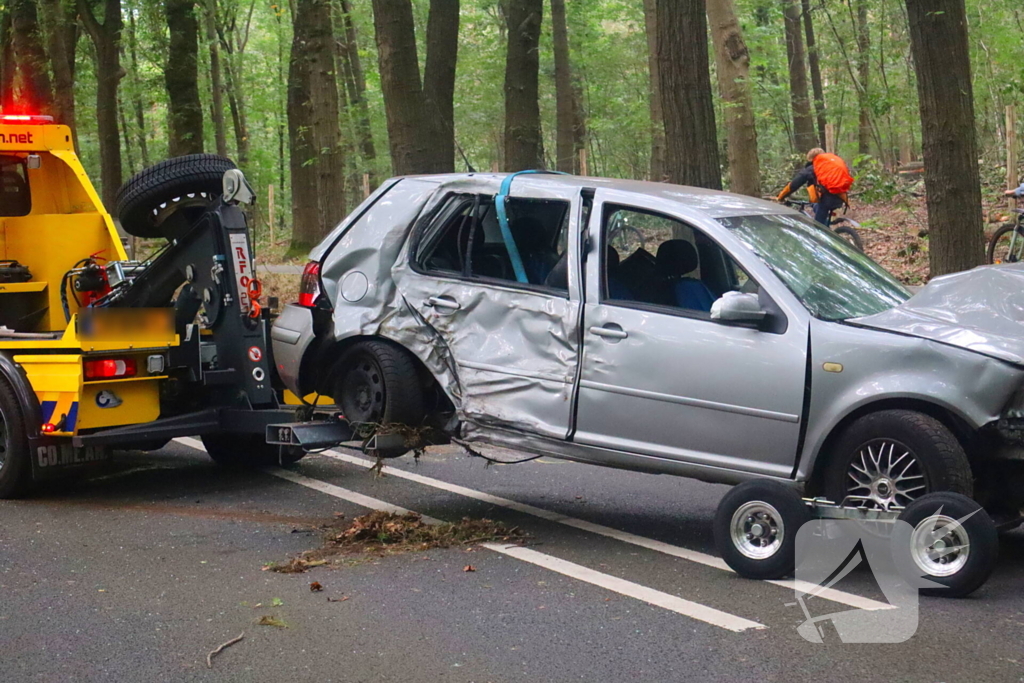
[[1007, 244], [164, 199], [893, 457], [15, 466], [756, 526], [377, 383], [949, 540], [249, 450]]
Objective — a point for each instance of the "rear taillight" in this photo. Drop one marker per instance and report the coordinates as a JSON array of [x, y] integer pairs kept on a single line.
[[110, 368], [309, 290]]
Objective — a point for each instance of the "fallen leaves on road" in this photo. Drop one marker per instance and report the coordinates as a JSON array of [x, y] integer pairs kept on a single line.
[[268, 620], [315, 587], [341, 599], [385, 533], [469, 568]]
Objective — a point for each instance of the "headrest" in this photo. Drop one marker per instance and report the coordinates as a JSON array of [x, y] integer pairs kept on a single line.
[[677, 258]]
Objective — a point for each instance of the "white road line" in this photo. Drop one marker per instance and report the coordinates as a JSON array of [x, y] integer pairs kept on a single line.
[[651, 596], [673, 603], [806, 587]]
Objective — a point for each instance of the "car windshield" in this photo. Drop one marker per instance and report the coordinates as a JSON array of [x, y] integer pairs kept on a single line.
[[832, 279]]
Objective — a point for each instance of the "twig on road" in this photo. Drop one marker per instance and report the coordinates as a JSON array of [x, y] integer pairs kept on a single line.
[[220, 648]]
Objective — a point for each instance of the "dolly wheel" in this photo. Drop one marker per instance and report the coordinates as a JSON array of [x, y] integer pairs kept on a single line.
[[756, 526], [948, 539]]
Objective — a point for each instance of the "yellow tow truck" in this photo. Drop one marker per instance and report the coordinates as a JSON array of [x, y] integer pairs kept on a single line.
[[99, 352]]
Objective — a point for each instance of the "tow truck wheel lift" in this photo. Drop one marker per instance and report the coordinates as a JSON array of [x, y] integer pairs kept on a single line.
[[207, 270]]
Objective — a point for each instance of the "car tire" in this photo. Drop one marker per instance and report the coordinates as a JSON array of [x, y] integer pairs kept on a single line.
[[892, 457], [239, 451], [193, 180], [756, 526], [378, 383], [15, 466], [960, 572]]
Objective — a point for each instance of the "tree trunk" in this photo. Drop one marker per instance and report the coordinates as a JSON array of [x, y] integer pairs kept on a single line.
[[691, 140], [355, 85], [236, 103], [732, 61], [863, 75], [216, 81], [803, 125], [814, 60], [7, 67], [565, 99], [524, 146], [439, 81], [654, 93], [938, 39], [400, 83], [62, 41], [181, 76], [317, 160], [107, 39], [36, 94], [140, 110]]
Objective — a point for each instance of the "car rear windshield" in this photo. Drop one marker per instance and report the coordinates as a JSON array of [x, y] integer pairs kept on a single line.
[[832, 279]]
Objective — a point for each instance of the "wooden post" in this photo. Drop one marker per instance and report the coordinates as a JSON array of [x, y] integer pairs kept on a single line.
[[270, 211], [830, 138], [583, 162], [366, 185], [1012, 179]]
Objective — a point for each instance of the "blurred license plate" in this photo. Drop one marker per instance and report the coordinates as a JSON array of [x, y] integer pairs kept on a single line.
[[153, 325]]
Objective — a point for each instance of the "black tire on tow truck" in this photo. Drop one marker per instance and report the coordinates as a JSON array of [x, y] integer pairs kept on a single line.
[[248, 450], [15, 466], [755, 528], [152, 195]]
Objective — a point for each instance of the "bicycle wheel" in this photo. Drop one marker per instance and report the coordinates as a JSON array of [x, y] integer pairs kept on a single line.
[[626, 239], [1007, 245], [845, 228]]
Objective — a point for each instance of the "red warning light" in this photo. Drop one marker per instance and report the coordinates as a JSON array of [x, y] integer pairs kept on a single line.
[[25, 118], [48, 428]]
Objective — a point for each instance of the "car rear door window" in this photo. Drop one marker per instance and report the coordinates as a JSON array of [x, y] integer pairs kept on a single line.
[[465, 240]]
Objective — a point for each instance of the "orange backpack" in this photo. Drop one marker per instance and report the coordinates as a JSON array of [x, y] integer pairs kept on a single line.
[[832, 173]]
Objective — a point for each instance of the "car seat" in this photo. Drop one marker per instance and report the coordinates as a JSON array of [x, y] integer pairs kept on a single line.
[[676, 260]]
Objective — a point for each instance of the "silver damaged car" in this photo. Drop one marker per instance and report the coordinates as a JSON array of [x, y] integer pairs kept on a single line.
[[664, 329]]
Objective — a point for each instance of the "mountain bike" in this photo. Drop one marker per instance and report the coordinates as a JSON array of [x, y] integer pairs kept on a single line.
[[1007, 245], [844, 226]]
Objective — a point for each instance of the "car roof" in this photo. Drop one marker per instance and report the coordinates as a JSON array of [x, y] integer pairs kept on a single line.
[[713, 203]]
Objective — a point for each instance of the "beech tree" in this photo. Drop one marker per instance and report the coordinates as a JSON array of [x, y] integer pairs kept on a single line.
[[803, 125], [181, 75], [732, 62], [106, 39], [938, 39], [691, 147], [524, 144]]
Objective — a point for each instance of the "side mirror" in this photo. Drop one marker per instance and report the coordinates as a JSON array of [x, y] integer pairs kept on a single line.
[[738, 307]]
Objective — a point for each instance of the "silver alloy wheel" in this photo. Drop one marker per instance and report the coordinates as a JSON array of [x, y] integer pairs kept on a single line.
[[940, 546], [757, 530], [884, 473]]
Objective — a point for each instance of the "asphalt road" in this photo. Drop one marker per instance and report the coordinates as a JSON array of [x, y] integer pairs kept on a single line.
[[137, 574]]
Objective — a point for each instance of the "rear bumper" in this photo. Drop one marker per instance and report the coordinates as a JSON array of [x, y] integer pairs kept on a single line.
[[291, 336]]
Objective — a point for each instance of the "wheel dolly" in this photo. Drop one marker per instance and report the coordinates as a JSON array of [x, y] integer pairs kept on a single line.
[[945, 538]]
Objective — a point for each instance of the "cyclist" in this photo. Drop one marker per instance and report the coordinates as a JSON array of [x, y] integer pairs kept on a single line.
[[828, 180], [1019, 192]]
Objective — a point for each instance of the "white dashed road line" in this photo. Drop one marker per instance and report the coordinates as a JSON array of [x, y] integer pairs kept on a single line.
[[673, 603], [805, 587]]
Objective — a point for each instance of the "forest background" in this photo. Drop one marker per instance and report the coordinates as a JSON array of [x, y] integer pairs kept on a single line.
[[319, 100]]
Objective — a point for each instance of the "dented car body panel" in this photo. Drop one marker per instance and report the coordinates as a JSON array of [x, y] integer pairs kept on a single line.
[[563, 365]]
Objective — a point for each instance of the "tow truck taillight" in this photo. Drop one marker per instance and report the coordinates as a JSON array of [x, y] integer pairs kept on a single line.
[[309, 290], [110, 368]]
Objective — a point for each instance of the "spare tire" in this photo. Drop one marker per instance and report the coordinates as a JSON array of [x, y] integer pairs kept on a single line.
[[181, 185]]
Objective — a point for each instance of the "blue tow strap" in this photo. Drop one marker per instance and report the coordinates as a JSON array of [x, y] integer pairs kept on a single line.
[[506, 231]]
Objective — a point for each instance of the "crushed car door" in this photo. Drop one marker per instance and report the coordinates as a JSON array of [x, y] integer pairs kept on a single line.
[[507, 314], [659, 377]]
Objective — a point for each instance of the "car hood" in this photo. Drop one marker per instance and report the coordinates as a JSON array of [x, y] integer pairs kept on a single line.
[[981, 310]]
